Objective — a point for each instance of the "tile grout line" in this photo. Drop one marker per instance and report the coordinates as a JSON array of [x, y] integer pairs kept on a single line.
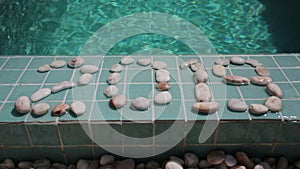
[[277, 136], [4, 63]]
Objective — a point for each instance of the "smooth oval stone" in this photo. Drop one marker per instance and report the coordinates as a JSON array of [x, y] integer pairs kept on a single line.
[[262, 71], [223, 62], [173, 165], [270, 160], [140, 103], [237, 105], [78, 108], [265, 165], [163, 97], [23, 104], [107, 159], [221, 166], [111, 91], [216, 157], [127, 60], [162, 75], [261, 80], [200, 76], [40, 108], [85, 79], [258, 166], [274, 90], [197, 66], [162, 86], [219, 70], [118, 101], [237, 60], [62, 86], [206, 107], [188, 63], [253, 63], [58, 64], [297, 164], [25, 164], [274, 104], [60, 109], [202, 92], [140, 166], [177, 159], [144, 61], [204, 164], [107, 167], [258, 109], [152, 165], [282, 163], [238, 167], [117, 68], [89, 69], [125, 164], [44, 68], [71, 166], [243, 159], [114, 78], [159, 65], [94, 165], [230, 160], [76, 62], [82, 164], [7, 164], [40, 94], [191, 160], [58, 166], [256, 160], [42, 163], [236, 80]]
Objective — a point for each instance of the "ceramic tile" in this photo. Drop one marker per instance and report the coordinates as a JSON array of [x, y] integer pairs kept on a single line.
[[222, 91], [232, 132], [213, 78], [192, 115], [2, 156], [75, 153], [171, 111], [138, 151], [43, 134], [277, 75], [173, 75], [14, 135], [138, 133], [75, 134], [32, 76], [200, 150], [248, 73], [260, 151], [263, 132], [37, 62], [287, 61], [116, 151], [82, 93], [16, 63], [103, 112], [51, 153], [77, 75], [107, 134], [139, 75], [4, 92], [9, 114], [288, 151], [293, 74], [166, 130], [70, 116], [210, 61], [297, 86], [2, 61], [57, 76], [135, 115], [257, 92], [267, 116], [93, 60], [110, 61], [175, 92], [287, 132], [186, 75], [20, 154], [266, 61], [290, 109], [288, 91], [138, 90], [23, 90], [195, 130], [11, 76]]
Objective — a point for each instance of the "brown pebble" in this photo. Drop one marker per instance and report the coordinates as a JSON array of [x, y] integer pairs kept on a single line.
[[236, 80], [238, 167], [282, 163], [253, 63], [60, 109], [274, 90], [262, 71], [261, 80], [206, 107], [274, 104], [243, 159], [163, 86]]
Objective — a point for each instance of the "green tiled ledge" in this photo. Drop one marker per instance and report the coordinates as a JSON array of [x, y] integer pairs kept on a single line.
[[29, 137]]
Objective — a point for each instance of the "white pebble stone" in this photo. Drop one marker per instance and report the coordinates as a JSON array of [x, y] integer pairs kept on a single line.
[[206, 107], [202, 92], [111, 91], [191, 160], [262, 71], [197, 66], [274, 104], [85, 79], [237, 60], [78, 108], [230, 160], [274, 90], [188, 63], [40, 108], [140, 103], [89, 69], [58, 64], [261, 80], [200, 76], [118, 101], [42, 163], [127, 60], [253, 63], [258, 166], [223, 62], [117, 68], [159, 65], [163, 98], [107, 159], [236, 80], [144, 61], [7, 164], [162, 75], [173, 165], [177, 159], [25, 164], [44, 68], [114, 78], [23, 104], [219, 70], [76, 62], [82, 164], [40, 94], [237, 105], [258, 109], [216, 157], [62, 86]]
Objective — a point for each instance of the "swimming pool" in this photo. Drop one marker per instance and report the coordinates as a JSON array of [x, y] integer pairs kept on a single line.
[[57, 27]]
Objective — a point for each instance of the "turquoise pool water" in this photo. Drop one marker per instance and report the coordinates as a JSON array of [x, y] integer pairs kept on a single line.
[[62, 27]]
